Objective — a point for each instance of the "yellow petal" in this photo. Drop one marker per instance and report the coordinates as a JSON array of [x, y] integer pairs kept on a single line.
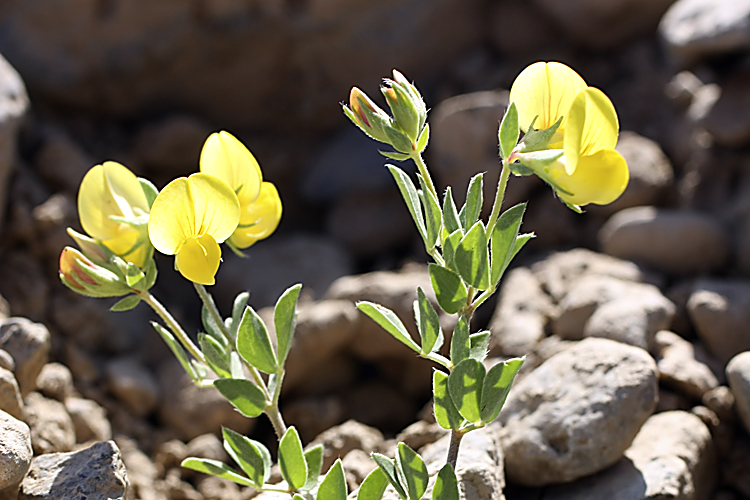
[[228, 159], [259, 219], [191, 207], [545, 90], [198, 259], [592, 126], [600, 178], [109, 190]]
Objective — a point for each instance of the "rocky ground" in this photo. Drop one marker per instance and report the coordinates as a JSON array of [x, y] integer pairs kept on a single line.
[[633, 316]]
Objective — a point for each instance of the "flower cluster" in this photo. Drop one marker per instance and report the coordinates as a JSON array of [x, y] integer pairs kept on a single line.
[[126, 218]]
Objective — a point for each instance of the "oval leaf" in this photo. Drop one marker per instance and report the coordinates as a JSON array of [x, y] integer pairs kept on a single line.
[[465, 389], [389, 321], [446, 485], [215, 468], [126, 304], [284, 319], [469, 213], [496, 387], [450, 213], [314, 461], [508, 133], [333, 486], [409, 193], [428, 324], [472, 258], [292, 459], [503, 237], [244, 395], [450, 291], [254, 344], [446, 414], [388, 467], [246, 454], [460, 341], [413, 470], [374, 485], [433, 215]]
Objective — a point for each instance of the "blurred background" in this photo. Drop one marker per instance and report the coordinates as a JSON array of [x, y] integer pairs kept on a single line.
[[144, 82]]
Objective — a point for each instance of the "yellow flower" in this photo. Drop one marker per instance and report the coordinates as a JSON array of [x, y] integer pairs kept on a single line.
[[589, 170], [113, 210], [189, 219], [228, 159]]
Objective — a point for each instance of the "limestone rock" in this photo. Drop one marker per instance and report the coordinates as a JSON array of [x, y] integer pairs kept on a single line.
[[10, 395], [420, 434], [669, 241], [95, 472], [6, 361], [738, 374], [52, 429], [679, 368], [55, 381], [29, 345], [720, 311], [89, 419], [577, 413], [15, 450], [133, 384], [671, 457]]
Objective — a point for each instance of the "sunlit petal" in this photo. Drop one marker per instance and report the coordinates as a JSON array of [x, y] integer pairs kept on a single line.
[[599, 178], [217, 209], [172, 218], [228, 159], [260, 219], [198, 259], [545, 90], [592, 126]]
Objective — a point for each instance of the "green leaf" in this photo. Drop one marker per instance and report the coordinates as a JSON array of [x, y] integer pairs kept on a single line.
[[254, 344], [449, 248], [465, 388], [537, 161], [446, 485], [460, 341], [151, 274], [297, 496], [314, 461], [409, 193], [469, 213], [507, 135], [215, 355], [433, 215], [177, 350], [480, 341], [395, 156], [246, 453], [503, 237], [292, 459], [446, 414], [284, 319], [235, 365], [238, 307], [472, 258], [450, 213], [244, 395], [428, 324], [413, 471], [388, 467], [521, 240], [135, 277], [536, 140], [389, 321], [333, 486], [149, 190], [215, 468], [496, 387], [374, 485], [450, 291], [126, 304], [424, 138], [520, 170], [212, 328]]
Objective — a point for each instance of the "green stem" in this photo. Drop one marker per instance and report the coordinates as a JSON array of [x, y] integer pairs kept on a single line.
[[274, 415], [173, 325], [439, 359], [502, 183], [417, 157]]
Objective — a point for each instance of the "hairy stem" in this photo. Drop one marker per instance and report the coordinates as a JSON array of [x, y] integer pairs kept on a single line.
[[502, 183], [417, 157], [173, 325]]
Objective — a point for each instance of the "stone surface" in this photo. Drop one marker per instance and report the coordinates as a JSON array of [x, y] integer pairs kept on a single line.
[[15, 450], [670, 241], [192, 411], [678, 367], [6, 361], [13, 106], [89, 419], [727, 120], [29, 344], [738, 375], [671, 457], [720, 312], [601, 25], [55, 381], [521, 314], [23, 281], [357, 465], [95, 472], [10, 395], [52, 430], [697, 29], [133, 384], [577, 413], [420, 434], [207, 446], [340, 440]]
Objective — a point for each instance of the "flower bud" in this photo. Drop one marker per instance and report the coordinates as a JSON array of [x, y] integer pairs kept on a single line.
[[407, 106], [367, 115], [82, 275], [98, 253]]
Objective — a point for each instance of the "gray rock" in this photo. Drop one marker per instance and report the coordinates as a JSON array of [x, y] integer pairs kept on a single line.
[[13, 106], [10, 395], [601, 25], [577, 413], [192, 411], [141, 471], [351, 435], [521, 314], [420, 434], [95, 472], [671, 457], [738, 375], [727, 120], [679, 369], [89, 419], [15, 451], [29, 344], [52, 429], [357, 465], [720, 312], [133, 384], [6, 361], [55, 381], [720, 400], [669, 241], [696, 29]]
